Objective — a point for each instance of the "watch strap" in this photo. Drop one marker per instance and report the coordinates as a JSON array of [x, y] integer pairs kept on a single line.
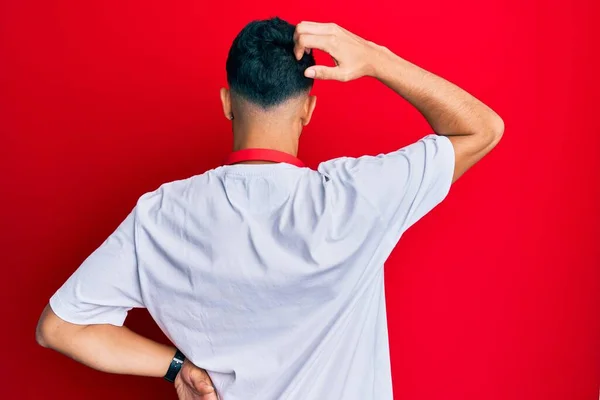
[[175, 366]]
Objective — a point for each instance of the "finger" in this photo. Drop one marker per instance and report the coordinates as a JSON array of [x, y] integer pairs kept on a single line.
[[315, 28], [308, 41], [204, 388], [212, 396], [324, 73], [201, 382], [299, 49]]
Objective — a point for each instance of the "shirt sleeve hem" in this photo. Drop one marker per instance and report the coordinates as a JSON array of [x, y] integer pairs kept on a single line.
[[449, 162], [64, 312]]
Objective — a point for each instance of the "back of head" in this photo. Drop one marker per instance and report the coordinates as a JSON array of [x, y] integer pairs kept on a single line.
[[261, 66]]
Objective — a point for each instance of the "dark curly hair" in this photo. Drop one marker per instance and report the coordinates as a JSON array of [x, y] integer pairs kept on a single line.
[[261, 66]]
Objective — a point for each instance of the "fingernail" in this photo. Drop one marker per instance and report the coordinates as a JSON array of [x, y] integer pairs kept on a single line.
[[309, 73]]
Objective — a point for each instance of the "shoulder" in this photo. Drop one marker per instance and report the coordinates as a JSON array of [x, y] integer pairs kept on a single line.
[[427, 148], [178, 191]]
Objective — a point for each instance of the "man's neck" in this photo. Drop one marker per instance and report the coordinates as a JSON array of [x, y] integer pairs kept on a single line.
[[279, 141]]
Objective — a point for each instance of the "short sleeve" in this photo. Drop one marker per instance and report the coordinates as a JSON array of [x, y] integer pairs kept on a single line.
[[106, 285], [403, 185]]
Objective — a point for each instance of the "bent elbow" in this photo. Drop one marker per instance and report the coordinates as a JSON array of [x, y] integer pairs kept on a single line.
[[498, 127], [46, 328], [41, 334], [494, 130]]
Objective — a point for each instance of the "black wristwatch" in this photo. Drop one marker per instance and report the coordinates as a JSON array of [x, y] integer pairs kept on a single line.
[[175, 366]]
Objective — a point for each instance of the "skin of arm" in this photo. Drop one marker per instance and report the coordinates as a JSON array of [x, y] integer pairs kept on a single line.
[[107, 348], [119, 350], [473, 128]]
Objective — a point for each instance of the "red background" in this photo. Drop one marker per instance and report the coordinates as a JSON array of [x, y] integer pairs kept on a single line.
[[494, 295]]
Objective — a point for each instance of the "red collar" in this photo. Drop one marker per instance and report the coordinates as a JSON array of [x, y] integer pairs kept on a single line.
[[262, 155]]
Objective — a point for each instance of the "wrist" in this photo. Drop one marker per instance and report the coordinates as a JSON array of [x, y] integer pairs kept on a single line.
[[176, 363], [375, 56], [380, 62]]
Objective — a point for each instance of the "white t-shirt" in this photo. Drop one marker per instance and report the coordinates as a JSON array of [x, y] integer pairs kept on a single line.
[[269, 276]]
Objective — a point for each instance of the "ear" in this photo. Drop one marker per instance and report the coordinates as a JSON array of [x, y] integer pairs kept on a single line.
[[226, 102], [309, 108]]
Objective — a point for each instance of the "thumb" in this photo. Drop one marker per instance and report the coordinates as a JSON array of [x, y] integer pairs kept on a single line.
[[322, 72]]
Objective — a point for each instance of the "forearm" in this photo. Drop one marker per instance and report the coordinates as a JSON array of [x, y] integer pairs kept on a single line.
[[449, 109], [106, 348]]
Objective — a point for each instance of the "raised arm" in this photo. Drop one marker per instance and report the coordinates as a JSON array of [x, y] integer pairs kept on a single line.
[[472, 127]]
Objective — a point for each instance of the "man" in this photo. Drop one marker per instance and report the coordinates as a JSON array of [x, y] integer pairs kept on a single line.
[[266, 275]]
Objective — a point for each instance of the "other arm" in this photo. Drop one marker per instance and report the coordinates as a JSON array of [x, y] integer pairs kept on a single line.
[[107, 348], [118, 350], [84, 319]]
